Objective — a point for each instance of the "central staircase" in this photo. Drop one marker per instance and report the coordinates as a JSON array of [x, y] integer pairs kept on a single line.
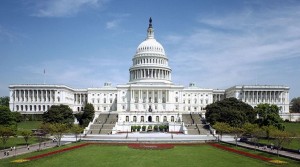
[[103, 124], [194, 124]]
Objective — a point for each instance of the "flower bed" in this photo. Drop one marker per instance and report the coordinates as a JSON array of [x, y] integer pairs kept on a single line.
[[240, 152], [56, 152], [151, 146]]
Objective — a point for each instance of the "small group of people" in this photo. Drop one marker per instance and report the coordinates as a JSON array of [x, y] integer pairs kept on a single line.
[[6, 153]]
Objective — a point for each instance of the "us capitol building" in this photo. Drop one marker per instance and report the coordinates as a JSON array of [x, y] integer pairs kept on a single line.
[[150, 97]]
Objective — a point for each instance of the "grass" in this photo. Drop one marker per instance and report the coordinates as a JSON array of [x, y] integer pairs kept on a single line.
[[13, 141], [292, 127], [104, 155], [29, 125]]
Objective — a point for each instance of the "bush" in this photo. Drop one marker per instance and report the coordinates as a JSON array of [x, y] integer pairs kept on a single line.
[[166, 127], [138, 128], [133, 128], [161, 127], [155, 128], [144, 128], [149, 128]]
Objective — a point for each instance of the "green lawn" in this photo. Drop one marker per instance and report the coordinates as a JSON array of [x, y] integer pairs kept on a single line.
[[293, 127], [29, 125], [13, 141], [99, 155]]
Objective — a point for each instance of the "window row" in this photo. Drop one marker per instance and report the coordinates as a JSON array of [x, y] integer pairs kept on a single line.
[[32, 107], [137, 61]]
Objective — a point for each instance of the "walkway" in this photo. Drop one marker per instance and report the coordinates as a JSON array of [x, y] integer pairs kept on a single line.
[[143, 137], [23, 149], [230, 140]]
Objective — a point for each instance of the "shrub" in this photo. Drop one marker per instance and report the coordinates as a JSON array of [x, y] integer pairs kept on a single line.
[[149, 128], [138, 128], [161, 127], [144, 128], [155, 128], [133, 128]]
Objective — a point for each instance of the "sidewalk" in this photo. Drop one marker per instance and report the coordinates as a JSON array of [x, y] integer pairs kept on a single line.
[[23, 149], [286, 154]]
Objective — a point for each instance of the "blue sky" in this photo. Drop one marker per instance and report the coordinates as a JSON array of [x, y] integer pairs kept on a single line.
[[84, 43]]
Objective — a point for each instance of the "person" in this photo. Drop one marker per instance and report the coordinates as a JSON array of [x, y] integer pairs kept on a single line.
[[27, 147], [44, 144], [7, 153], [11, 148], [4, 153]]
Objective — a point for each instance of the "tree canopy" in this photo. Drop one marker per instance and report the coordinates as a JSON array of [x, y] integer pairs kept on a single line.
[[6, 116], [86, 116], [4, 101], [56, 129], [295, 105], [269, 115], [59, 114], [231, 111]]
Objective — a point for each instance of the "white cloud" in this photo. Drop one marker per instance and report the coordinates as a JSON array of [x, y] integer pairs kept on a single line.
[[118, 19], [238, 49], [65, 8], [112, 24]]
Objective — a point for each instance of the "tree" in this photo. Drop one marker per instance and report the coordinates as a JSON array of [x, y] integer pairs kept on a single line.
[[17, 116], [86, 116], [76, 130], [4, 101], [269, 115], [6, 116], [231, 111], [26, 135], [295, 105], [281, 138], [56, 129], [237, 132], [5, 133], [268, 130], [222, 127], [59, 114], [254, 131]]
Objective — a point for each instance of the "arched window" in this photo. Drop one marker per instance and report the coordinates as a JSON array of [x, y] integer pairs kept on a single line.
[[157, 118], [172, 118], [134, 118], [165, 118], [17, 107], [127, 118]]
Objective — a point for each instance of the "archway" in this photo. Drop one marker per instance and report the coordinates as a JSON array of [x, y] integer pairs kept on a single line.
[[149, 119]]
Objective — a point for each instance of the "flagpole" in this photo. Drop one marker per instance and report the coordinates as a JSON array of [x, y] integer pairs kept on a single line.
[[44, 76]]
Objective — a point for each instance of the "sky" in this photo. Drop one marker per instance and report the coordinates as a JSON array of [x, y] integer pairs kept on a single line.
[[214, 44]]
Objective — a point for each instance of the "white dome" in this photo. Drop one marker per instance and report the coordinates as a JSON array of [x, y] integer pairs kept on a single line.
[[150, 45]]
